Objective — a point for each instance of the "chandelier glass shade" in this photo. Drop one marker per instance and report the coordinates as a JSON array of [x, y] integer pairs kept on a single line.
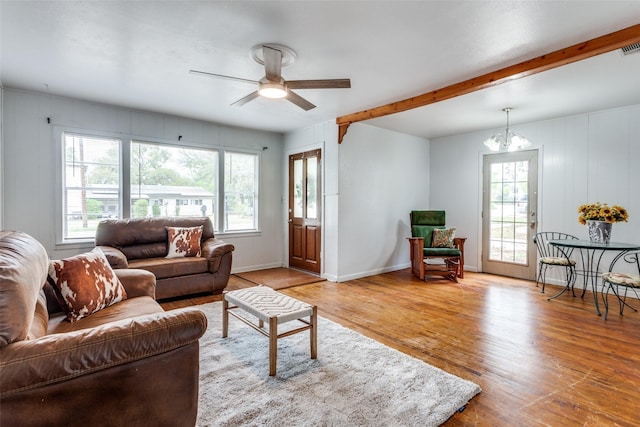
[[507, 140]]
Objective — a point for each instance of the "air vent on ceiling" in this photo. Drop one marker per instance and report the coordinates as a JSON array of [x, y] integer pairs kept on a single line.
[[632, 48]]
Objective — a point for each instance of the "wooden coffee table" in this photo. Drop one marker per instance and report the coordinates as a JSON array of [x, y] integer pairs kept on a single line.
[[274, 308]]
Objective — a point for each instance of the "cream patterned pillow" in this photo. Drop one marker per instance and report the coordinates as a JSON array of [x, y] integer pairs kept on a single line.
[[85, 284], [184, 241], [443, 237]]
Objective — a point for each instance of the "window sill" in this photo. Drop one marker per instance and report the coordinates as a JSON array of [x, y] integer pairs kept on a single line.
[[78, 244], [234, 234]]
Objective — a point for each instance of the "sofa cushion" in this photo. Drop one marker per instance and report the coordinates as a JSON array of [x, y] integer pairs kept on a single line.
[[184, 242], [126, 309], [23, 271], [443, 238], [438, 252], [121, 233], [428, 217], [85, 284], [163, 268], [426, 232]]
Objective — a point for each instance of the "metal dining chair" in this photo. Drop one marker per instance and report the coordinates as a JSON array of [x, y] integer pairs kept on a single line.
[[553, 256], [614, 280]]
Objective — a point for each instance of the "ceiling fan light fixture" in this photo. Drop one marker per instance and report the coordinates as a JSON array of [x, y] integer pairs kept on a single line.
[[272, 90], [507, 141]]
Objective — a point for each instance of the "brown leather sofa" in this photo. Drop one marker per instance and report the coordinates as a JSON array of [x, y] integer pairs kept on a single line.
[[142, 243], [129, 364]]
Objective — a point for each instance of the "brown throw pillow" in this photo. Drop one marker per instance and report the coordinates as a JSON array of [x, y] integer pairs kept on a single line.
[[184, 241], [85, 284], [443, 238]]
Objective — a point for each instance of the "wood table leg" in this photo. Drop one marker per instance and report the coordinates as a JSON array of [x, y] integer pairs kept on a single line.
[[313, 332], [225, 317], [273, 345]]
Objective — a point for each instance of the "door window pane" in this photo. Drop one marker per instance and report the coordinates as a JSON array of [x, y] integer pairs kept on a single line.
[[312, 187], [298, 186], [508, 212]]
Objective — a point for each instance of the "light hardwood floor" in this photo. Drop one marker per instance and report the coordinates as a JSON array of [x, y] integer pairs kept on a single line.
[[538, 362]]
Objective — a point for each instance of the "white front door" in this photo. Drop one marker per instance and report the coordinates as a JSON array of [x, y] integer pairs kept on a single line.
[[509, 221]]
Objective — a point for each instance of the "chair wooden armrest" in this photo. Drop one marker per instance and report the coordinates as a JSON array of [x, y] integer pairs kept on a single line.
[[459, 243], [416, 244]]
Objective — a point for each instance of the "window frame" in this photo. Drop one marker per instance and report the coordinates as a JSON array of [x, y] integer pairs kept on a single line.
[[59, 191], [222, 204], [125, 180]]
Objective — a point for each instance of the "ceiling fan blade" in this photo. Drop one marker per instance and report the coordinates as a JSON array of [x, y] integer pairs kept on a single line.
[[242, 101], [299, 101], [222, 76], [319, 84], [272, 63]]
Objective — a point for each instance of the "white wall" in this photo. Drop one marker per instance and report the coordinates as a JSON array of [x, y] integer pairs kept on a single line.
[[28, 164], [585, 158], [383, 175]]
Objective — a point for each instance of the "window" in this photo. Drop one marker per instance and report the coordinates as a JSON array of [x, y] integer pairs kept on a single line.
[[166, 179], [91, 184], [240, 191], [109, 177]]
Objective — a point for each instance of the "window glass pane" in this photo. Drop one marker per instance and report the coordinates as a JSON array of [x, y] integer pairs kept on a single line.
[[240, 191], [312, 187], [173, 181], [298, 186], [91, 184], [508, 212]]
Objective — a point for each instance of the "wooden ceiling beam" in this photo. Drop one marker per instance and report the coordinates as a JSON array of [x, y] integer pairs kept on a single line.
[[568, 55]]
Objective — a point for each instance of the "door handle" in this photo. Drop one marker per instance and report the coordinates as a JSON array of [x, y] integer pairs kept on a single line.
[[290, 220]]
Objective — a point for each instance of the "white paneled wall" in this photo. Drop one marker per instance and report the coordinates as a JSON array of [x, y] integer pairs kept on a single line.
[[28, 163], [383, 175], [585, 158]]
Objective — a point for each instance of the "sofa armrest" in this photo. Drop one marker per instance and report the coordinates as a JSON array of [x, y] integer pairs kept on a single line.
[[137, 282], [115, 256], [213, 247], [55, 358]]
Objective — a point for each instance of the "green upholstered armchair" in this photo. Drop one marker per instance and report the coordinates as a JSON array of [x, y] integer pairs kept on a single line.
[[449, 249]]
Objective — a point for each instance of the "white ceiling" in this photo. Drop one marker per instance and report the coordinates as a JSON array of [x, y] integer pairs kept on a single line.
[[138, 54]]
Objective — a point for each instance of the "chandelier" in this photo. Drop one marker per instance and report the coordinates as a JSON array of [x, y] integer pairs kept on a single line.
[[507, 141]]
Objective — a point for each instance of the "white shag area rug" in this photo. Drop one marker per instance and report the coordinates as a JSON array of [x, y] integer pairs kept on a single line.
[[355, 381]]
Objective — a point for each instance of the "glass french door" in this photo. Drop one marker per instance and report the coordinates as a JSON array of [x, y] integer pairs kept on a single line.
[[510, 192], [304, 211]]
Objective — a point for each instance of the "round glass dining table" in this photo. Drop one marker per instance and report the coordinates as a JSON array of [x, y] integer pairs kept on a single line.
[[591, 254]]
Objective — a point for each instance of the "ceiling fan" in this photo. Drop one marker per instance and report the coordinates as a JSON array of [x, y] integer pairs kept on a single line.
[[272, 85]]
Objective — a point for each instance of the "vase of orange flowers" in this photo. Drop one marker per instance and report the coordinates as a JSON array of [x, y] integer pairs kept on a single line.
[[599, 219]]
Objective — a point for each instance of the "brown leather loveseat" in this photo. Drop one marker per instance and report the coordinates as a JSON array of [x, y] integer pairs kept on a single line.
[[143, 243], [130, 363]]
